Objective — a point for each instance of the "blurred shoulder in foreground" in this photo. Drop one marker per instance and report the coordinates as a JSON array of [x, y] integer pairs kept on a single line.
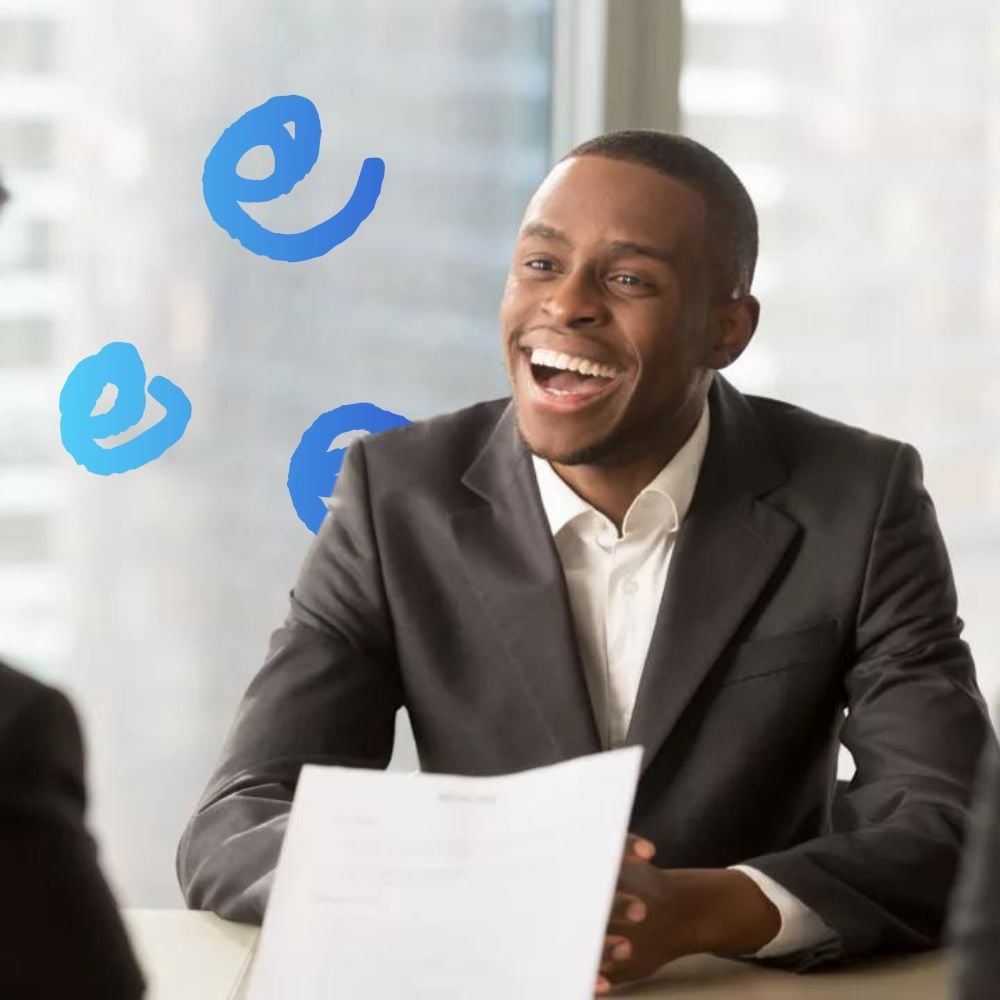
[[61, 934]]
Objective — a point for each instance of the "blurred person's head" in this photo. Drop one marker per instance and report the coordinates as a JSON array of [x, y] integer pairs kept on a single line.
[[637, 252]]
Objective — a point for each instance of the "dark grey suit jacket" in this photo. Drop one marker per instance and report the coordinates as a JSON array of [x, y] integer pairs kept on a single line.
[[809, 597], [60, 932]]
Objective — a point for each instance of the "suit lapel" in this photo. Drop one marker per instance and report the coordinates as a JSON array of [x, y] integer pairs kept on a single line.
[[728, 547], [510, 559]]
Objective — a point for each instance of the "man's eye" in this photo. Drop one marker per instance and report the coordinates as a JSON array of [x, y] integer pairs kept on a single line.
[[638, 282], [633, 280]]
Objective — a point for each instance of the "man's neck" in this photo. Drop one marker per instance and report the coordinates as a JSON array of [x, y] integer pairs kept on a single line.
[[611, 486]]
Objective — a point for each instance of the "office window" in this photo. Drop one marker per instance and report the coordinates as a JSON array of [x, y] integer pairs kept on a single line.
[[27, 44], [29, 435], [25, 342], [866, 133], [175, 574], [24, 538], [28, 245], [26, 143]]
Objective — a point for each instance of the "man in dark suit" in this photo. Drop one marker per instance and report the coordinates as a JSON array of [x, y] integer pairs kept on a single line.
[[61, 935], [630, 551]]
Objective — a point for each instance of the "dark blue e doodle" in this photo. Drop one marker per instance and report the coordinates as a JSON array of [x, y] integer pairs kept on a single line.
[[294, 156], [314, 467]]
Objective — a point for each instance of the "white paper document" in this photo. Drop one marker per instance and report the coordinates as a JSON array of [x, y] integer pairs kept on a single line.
[[404, 887]]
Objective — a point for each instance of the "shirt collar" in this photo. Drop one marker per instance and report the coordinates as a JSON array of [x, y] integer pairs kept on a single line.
[[665, 499]]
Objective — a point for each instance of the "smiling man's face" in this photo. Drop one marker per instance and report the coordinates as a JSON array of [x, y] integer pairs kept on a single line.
[[581, 287]]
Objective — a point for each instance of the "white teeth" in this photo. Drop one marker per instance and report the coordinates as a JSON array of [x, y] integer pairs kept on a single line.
[[573, 363]]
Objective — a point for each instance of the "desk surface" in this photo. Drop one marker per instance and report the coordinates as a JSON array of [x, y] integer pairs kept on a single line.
[[190, 955]]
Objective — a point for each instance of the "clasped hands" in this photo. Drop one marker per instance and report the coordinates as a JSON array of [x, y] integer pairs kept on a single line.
[[660, 914]]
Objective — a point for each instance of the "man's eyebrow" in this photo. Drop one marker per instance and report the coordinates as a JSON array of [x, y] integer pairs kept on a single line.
[[544, 231], [615, 246], [643, 250]]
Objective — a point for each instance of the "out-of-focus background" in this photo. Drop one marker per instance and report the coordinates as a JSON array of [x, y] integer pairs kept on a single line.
[[867, 131]]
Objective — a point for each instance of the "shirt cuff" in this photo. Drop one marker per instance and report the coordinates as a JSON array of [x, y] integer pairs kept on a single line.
[[801, 927]]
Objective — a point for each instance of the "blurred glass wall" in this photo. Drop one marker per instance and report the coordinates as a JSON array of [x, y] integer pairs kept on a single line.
[[150, 596]]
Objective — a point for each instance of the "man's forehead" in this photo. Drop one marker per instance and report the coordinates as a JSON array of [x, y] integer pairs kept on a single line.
[[624, 179], [606, 198]]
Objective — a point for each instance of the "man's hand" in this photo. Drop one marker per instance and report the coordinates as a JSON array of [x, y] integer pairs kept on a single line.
[[661, 914], [649, 925]]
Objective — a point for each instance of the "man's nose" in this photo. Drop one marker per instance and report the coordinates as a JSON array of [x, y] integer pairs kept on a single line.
[[575, 298]]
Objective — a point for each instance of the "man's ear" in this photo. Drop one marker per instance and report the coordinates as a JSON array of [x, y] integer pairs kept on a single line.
[[733, 325]]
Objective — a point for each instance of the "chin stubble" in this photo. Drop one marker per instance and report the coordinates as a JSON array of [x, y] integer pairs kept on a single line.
[[590, 454]]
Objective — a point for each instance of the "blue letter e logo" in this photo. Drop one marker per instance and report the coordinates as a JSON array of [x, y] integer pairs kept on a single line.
[[120, 365], [294, 157], [315, 464]]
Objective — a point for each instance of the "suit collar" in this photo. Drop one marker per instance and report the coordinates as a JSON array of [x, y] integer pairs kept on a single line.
[[749, 462], [673, 486]]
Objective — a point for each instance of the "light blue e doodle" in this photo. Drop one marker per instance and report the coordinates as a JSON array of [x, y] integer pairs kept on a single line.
[[119, 364], [314, 467], [294, 156]]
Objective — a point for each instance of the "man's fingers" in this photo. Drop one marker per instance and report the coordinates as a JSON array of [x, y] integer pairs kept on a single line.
[[627, 909], [616, 949], [638, 848], [617, 952]]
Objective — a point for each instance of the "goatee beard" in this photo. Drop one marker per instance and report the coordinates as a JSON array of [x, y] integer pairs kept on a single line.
[[591, 454]]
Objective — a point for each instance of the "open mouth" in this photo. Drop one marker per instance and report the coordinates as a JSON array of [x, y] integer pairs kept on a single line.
[[564, 382]]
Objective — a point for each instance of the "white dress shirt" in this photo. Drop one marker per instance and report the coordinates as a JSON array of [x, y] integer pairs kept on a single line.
[[614, 585]]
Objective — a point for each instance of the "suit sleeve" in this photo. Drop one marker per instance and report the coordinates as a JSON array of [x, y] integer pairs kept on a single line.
[[327, 693], [800, 927], [972, 930], [65, 936], [916, 725]]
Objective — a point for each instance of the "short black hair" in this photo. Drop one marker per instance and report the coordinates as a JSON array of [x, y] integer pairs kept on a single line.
[[731, 219]]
